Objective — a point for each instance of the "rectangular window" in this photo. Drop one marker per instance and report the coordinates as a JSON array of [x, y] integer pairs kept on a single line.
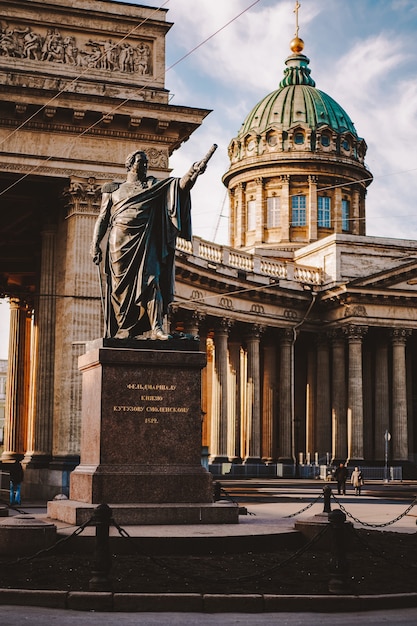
[[251, 215], [298, 207], [273, 212], [324, 212], [345, 215]]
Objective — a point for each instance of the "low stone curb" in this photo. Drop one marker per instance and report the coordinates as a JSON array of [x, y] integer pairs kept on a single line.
[[202, 603]]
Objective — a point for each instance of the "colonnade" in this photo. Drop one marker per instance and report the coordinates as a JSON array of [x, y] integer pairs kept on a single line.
[[276, 396], [268, 395]]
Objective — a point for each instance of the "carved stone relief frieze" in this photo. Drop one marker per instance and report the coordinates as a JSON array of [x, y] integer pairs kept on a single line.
[[57, 46]]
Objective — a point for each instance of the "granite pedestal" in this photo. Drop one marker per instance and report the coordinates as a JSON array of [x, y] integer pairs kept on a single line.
[[141, 436]]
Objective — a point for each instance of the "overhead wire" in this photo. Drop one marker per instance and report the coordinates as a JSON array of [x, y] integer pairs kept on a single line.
[[74, 81], [117, 107]]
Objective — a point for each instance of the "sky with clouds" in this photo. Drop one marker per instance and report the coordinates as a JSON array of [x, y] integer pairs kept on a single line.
[[362, 53]]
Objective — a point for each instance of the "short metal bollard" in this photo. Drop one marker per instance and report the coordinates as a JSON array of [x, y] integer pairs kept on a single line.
[[217, 491], [339, 581], [327, 492], [100, 580]]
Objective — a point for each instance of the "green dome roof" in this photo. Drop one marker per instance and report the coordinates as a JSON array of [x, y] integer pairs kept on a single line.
[[297, 101]]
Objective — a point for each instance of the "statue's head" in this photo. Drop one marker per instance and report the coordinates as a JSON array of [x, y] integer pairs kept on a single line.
[[135, 156]]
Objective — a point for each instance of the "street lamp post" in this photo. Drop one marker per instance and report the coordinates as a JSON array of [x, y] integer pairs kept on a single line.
[[387, 437]]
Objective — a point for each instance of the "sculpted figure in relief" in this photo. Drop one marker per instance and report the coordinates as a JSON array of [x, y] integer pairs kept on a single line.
[[52, 46], [144, 217]]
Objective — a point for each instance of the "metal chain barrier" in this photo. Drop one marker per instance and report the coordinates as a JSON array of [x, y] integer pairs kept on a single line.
[[45, 551], [258, 575], [305, 508], [374, 525], [229, 497], [380, 554]]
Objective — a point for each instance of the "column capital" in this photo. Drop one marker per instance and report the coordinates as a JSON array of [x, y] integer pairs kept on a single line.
[[400, 335], [287, 335], [255, 331], [336, 335], [224, 325], [195, 316], [355, 332], [83, 196]]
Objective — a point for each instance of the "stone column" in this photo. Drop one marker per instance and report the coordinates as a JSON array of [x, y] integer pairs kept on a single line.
[[312, 208], [339, 425], [355, 336], [78, 315], [39, 450], [235, 404], [381, 399], [367, 377], [399, 395], [286, 416], [193, 320], [194, 326], [323, 421], [218, 452], [253, 406], [269, 393], [18, 376]]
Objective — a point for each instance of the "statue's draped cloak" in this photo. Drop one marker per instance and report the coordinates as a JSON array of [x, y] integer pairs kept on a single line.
[[141, 252]]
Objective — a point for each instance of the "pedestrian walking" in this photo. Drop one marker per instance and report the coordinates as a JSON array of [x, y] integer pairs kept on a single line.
[[16, 478], [341, 475], [357, 480]]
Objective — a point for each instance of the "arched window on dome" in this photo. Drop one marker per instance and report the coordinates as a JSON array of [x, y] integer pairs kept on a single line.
[[325, 140], [345, 215], [298, 210], [273, 217], [299, 138], [324, 212]]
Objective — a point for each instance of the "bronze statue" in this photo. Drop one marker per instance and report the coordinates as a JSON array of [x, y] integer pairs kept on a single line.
[[144, 217]]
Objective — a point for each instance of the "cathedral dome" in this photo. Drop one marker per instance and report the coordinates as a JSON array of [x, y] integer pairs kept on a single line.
[[297, 101], [297, 116], [297, 167]]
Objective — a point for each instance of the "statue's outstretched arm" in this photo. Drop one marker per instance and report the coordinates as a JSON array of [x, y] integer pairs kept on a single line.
[[196, 169]]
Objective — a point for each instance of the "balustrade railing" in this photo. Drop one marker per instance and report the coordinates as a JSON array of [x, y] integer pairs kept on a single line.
[[244, 261]]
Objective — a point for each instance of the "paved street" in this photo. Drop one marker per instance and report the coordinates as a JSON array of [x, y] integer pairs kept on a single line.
[[35, 616], [269, 504]]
